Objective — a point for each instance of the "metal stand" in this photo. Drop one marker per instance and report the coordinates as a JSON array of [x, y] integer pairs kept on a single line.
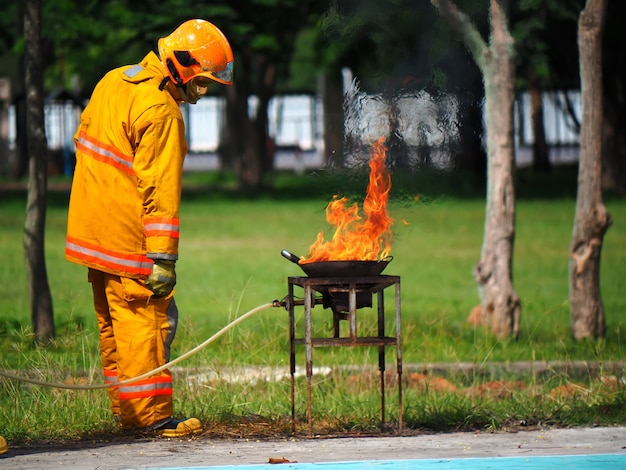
[[353, 287]]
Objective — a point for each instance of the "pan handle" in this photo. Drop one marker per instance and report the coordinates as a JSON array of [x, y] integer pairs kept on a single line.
[[386, 259], [290, 256]]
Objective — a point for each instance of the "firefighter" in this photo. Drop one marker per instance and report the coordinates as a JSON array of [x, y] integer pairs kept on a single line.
[[123, 221], [3, 445]]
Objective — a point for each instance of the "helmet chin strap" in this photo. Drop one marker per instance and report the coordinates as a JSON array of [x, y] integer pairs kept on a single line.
[[182, 90], [163, 83], [187, 91]]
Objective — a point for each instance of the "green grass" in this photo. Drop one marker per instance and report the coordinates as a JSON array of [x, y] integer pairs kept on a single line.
[[230, 262]]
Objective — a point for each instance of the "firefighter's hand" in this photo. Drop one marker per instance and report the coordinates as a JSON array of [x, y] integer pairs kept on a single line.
[[162, 279]]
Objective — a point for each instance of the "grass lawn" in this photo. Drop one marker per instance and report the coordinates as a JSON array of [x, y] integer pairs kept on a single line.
[[230, 263]]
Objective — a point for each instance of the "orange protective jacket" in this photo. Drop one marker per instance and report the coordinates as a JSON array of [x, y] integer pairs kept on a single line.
[[125, 198]]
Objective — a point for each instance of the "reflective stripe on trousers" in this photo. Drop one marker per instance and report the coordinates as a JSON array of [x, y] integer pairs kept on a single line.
[[136, 332]]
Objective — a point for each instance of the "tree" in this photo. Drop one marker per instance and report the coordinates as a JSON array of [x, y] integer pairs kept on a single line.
[[20, 165], [544, 32], [614, 77], [331, 89], [592, 219], [34, 227], [263, 36], [500, 303], [396, 48]]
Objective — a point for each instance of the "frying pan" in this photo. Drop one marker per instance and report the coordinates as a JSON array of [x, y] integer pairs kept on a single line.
[[339, 268]]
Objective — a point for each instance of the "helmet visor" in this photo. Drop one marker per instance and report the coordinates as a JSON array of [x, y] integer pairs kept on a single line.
[[226, 74]]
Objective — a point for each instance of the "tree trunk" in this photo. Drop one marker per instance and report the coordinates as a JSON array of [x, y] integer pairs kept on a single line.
[[248, 148], [241, 141], [5, 100], [266, 89], [614, 92], [470, 155], [20, 164], [592, 219], [331, 89], [499, 301], [541, 155], [614, 145], [34, 227]]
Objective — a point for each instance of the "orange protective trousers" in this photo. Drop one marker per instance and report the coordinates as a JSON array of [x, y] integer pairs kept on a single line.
[[136, 331]]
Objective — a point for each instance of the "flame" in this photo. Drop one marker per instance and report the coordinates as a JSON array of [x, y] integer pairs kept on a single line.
[[358, 238]]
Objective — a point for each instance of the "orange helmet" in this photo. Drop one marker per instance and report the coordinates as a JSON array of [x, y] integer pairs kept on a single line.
[[197, 48]]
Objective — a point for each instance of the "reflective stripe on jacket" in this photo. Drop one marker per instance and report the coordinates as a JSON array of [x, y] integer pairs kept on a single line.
[[125, 197]]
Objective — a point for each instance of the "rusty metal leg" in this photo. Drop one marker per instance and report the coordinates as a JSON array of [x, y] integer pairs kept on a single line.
[[309, 353], [381, 353], [399, 355], [352, 305], [292, 356]]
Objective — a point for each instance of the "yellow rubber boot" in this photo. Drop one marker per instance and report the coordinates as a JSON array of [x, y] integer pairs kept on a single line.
[[3, 445], [180, 428]]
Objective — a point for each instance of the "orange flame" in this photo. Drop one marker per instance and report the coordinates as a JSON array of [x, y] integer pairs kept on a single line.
[[358, 239]]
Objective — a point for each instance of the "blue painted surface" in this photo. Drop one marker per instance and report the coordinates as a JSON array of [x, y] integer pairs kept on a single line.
[[569, 462]]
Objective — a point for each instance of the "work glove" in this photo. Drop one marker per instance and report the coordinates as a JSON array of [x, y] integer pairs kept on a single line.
[[162, 279]]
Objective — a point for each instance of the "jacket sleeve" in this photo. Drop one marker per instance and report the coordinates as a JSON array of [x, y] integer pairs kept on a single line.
[[158, 164]]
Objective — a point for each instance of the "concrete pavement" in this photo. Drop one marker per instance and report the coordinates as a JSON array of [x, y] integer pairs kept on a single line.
[[201, 452]]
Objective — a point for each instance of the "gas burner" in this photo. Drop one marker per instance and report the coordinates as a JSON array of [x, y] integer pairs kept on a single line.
[[345, 296]]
